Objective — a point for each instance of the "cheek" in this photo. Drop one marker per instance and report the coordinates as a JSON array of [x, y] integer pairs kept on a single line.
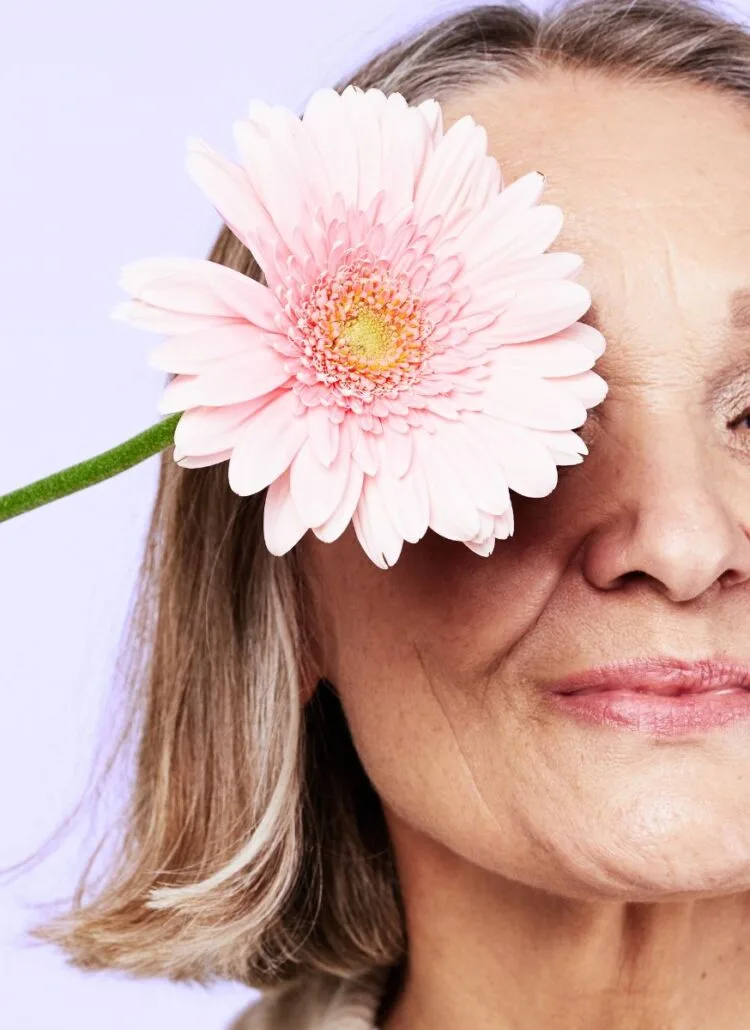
[[441, 606], [417, 654]]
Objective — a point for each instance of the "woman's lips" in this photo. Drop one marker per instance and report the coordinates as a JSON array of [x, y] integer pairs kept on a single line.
[[662, 696]]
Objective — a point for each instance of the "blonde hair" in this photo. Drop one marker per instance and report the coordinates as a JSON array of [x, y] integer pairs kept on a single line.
[[253, 846]]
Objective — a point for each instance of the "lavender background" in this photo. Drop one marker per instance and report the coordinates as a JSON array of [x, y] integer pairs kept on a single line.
[[96, 103]]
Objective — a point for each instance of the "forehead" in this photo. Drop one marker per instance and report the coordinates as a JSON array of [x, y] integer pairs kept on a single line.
[[651, 177]]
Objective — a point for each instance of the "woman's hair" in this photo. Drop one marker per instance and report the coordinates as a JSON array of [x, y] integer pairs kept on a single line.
[[253, 847]]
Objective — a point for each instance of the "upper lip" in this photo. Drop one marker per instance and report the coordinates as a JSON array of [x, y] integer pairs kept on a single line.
[[658, 676]]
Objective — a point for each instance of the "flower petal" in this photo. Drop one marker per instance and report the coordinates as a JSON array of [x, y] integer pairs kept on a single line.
[[324, 433], [526, 462], [318, 489], [474, 465], [282, 526], [266, 446], [240, 377], [193, 353], [538, 310], [512, 237], [333, 527], [175, 283], [405, 497], [453, 513], [204, 430], [158, 320], [588, 387], [381, 541], [272, 164], [546, 357], [451, 175], [533, 402], [198, 461], [228, 188]]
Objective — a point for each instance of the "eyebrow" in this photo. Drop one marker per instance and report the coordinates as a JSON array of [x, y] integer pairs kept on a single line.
[[736, 329]]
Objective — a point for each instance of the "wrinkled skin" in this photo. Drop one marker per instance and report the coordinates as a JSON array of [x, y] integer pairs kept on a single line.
[[537, 853]]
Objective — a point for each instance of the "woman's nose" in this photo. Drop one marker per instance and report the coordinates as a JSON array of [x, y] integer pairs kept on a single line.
[[677, 515]]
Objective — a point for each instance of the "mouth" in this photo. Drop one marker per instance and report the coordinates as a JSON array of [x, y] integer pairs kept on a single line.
[[665, 677], [661, 696]]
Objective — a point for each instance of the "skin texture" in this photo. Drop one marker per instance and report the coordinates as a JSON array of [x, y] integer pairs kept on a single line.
[[557, 874]]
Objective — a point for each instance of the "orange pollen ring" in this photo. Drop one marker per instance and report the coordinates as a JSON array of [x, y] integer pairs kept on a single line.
[[364, 330]]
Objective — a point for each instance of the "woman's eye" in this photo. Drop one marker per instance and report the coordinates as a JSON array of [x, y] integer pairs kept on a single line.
[[742, 421]]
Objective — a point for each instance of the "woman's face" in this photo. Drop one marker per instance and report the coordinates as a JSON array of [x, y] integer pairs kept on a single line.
[[641, 551]]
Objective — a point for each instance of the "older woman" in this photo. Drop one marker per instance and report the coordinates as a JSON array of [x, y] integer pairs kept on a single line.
[[492, 792]]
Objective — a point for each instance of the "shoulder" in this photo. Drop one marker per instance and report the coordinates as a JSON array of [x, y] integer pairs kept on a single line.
[[318, 1002]]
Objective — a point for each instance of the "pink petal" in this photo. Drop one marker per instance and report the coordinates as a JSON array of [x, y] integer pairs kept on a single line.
[[318, 489], [546, 357], [450, 176], [158, 320], [175, 283], [515, 236], [588, 387], [475, 466], [197, 461], [364, 453], [504, 525], [205, 430], [520, 194], [292, 144], [504, 277], [191, 353], [556, 264], [272, 164], [379, 538], [526, 462], [588, 336], [327, 122], [239, 378], [563, 442], [282, 526], [398, 446], [334, 526], [364, 108], [453, 513], [323, 432], [403, 142], [266, 446], [405, 498], [533, 402], [228, 188], [249, 298], [539, 309], [483, 547], [511, 203]]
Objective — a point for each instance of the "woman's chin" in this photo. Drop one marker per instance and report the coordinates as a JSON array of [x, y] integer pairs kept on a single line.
[[648, 848]]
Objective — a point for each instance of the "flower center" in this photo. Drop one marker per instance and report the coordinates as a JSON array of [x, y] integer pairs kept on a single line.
[[369, 337], [364, 330]]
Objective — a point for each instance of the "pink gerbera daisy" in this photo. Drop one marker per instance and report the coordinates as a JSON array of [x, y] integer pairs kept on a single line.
[[415, 354]]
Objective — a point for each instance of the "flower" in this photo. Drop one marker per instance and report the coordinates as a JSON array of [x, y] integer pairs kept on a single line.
[[415, 354]]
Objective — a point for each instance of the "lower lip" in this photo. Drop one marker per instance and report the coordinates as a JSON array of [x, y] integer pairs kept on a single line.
[[657, 714]]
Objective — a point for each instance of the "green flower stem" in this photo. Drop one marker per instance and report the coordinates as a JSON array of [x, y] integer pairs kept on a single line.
[[94, 470]]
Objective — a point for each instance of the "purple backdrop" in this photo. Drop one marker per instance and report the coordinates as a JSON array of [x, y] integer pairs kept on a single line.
[[96, 104]]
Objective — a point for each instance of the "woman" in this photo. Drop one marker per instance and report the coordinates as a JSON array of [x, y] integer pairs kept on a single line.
[[414, 799]]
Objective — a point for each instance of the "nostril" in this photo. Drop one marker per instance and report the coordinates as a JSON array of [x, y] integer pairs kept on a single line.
[[635, 576]]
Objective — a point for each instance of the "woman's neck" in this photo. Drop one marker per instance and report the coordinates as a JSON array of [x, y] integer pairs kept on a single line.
[[490, 954]]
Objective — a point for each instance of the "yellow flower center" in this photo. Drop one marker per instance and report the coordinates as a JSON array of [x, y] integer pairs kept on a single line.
[[371, 338], [363, 329]]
